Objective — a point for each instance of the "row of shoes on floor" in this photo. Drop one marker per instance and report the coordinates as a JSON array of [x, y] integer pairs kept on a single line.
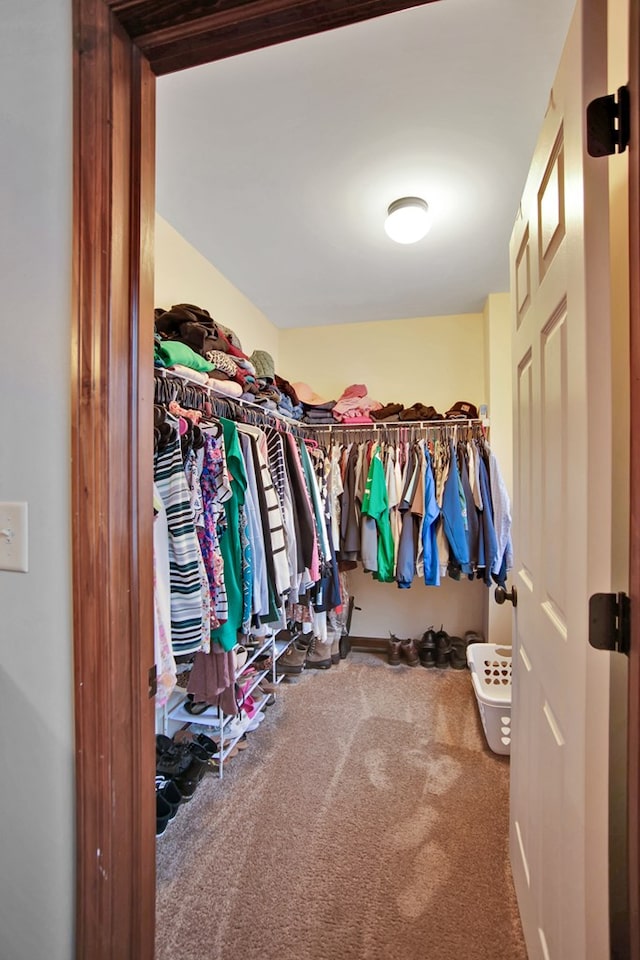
[[436, 648], [308, 652], [182, 761], [181, 764]]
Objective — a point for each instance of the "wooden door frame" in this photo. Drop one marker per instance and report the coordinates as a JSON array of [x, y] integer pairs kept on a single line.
[[112, 457], [118, 48]]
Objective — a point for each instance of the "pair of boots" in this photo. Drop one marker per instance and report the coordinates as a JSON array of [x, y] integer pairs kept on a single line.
[[306, 651], [402, 651]]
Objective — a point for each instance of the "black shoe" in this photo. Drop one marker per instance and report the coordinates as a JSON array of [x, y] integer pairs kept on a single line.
[[443, 649], [458, 655], [163, 814], [188, 781], [166, 788], [427, 648], [172, 759]]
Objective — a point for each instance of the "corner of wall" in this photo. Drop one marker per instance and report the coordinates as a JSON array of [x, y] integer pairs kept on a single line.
[[184, 275], [498, 381]]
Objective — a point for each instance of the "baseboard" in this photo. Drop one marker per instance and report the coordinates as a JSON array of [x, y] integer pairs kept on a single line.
[[370, 644]]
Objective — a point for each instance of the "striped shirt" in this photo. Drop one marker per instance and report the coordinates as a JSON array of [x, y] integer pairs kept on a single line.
[[184, 550]]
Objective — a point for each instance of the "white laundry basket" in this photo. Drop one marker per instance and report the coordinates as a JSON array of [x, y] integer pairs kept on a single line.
[[490, 668]]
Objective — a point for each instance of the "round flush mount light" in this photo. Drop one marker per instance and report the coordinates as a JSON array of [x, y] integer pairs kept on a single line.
[[408, 220]]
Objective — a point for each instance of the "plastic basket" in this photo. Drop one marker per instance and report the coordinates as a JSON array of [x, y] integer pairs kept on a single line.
[[490, 668]]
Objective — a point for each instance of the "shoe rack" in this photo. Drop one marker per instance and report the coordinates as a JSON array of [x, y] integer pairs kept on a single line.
[[227, 729]]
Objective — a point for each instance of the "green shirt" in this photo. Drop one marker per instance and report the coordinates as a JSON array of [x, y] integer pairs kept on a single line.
[[375, 504]]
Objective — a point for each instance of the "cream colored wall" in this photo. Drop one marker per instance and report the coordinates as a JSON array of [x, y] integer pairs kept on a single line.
[[183, 275], [37, 849], [498, 378], [434, 360]]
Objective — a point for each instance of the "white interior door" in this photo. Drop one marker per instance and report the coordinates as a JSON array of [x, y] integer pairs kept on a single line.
[[559, 283]]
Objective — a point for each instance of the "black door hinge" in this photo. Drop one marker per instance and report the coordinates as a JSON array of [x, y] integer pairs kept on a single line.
[[153, 682], [609, 622], [609, 124]]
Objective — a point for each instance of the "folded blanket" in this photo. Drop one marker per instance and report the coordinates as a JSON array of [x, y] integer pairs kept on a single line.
[[226, 388]]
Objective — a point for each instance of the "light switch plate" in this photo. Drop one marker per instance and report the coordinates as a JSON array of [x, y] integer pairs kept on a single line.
[[14, 537]]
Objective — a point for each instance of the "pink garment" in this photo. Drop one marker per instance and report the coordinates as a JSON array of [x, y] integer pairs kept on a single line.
[[357, 418], [355, 390], [212, 679], [355, 402]]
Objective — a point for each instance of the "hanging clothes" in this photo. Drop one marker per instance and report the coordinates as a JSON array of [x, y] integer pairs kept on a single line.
[[375, 505], [183, 546], [426, 508], [230, 543]]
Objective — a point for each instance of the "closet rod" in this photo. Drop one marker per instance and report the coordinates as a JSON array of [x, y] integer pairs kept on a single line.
[[400, 424], [164, 374]]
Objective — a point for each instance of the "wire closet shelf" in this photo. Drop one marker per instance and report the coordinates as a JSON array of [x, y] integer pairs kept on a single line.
[[173, 385]]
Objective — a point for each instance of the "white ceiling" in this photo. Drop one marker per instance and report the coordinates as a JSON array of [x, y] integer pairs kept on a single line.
[[279, 165]]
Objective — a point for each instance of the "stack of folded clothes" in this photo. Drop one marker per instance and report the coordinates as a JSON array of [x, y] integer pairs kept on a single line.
[[388, 413], [188, 337], [419, 412], [355, 405], [317, 410], [273, 392]]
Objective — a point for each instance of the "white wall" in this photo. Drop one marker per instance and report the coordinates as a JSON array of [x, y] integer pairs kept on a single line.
[[183, 275], [36, 745]]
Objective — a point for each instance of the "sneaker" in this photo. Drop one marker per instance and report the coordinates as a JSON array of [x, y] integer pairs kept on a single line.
[[234, 728], [166, 788], [255, 723], [163, 814]]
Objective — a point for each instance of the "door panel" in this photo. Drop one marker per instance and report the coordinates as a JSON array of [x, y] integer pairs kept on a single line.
[[554, 821], [634, 544]]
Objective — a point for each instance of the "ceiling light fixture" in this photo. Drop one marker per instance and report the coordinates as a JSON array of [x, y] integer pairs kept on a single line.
[[408, 220]]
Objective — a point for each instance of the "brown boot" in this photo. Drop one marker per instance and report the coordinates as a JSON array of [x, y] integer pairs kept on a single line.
[[334, 632], [292, 660], [409, 652], [319, 656], [394, 650]]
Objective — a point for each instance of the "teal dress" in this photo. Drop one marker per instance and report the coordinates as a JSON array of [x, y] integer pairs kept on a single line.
[[230, 542]]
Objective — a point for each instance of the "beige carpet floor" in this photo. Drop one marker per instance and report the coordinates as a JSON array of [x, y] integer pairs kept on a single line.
[[367, 820]]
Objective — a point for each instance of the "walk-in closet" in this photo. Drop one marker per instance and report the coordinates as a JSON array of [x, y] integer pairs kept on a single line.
[[294, 475], [337, 451]]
